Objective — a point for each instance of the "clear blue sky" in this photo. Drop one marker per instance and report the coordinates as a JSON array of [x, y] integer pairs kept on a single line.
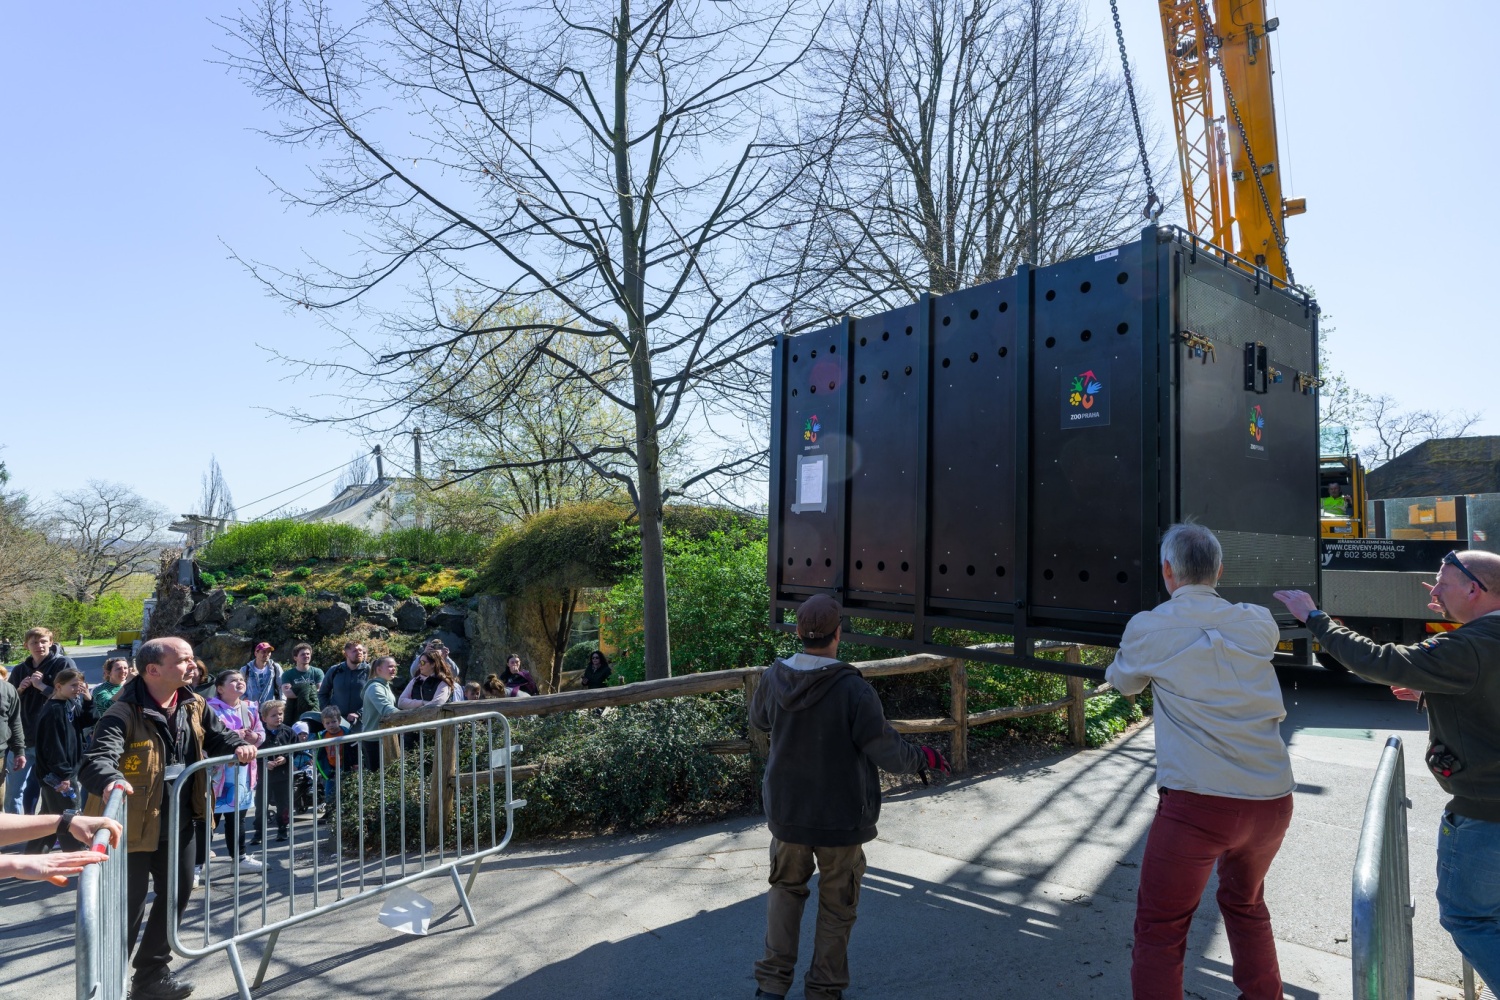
[[130, 337]]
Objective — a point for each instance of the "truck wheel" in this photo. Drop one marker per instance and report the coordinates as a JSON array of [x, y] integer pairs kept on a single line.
[[1329, 663]]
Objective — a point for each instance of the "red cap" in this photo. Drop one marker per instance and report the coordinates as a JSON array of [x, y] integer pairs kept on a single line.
[[262, 645]]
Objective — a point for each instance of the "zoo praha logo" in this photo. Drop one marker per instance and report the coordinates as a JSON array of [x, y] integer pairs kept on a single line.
[[810, 429], [1256, 440], [1085, 399]]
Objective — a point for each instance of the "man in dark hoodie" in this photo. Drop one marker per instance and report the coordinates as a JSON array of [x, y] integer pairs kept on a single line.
[[822, 797], [1456, 676]]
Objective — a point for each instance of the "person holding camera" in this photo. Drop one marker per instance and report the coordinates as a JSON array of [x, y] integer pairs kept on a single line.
[[1456, 676]]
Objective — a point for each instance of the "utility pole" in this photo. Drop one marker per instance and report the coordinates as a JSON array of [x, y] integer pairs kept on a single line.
[[379, 465]]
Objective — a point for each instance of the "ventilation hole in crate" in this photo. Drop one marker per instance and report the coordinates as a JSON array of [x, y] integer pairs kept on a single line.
[[885, 374], [1122, 329], [886, 335], [1121, 278], [999, 570], [1046, 574], [809, 561], [794, 357], [831, 385], [1083, 575], [827, 562], [880, 565], [947, 320], [1004, 306], [794, 392], [812, 354], [859, 564], [908, 331], [1051, 341], [790, 561], [1086, 336], [863, 341], [814, 389], [943, 568], [969, 570], [1122, 577], [908, 369], [946, 362], [833, 348], [861, 380], [1084, 288], [973, 313], [1051, 295], [1004, 351], [973, 357], [905, 567]]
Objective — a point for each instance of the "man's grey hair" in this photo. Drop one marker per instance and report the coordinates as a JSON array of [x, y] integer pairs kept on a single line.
[[1194, 553]]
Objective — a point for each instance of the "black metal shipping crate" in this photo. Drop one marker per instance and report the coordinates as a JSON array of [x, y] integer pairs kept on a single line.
[[1005, 458]]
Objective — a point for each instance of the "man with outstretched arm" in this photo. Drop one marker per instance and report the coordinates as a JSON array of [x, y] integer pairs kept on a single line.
[[822, 797], [156, 727], [1223, 774], [1456, 676]]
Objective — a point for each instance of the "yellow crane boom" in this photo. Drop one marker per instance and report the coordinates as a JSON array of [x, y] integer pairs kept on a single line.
[[1231, 167]]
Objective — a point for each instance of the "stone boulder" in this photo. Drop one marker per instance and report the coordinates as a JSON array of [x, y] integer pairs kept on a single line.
[[210, 610], [449, 618], [224, 650], [334, 619], [326, 595], [488, 631], [411, 616], [244, 618], [196, 634], [376, 612]]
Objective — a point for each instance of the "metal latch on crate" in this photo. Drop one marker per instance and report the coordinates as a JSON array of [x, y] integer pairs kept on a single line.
[[1198, 346]]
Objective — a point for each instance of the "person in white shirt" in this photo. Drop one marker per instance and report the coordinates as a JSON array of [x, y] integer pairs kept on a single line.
[[1223, 774]]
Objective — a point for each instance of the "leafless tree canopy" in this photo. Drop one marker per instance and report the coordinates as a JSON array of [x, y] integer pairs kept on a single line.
[[357, 473], [214, 499], [1390, 429], [597, 160], [108, 532], [28, 561], [918, 139]]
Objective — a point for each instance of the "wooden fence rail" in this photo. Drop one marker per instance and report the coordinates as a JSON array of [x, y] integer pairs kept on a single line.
[[957, 723]]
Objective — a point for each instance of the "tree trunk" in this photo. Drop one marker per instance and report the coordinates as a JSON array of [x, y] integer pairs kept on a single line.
[[658, 651]]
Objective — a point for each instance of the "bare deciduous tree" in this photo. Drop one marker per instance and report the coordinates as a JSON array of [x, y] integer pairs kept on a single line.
[[918, 143], [1392, 430], [357, 473], [107, 532], [595, 158], [214, 499], [28, 561]]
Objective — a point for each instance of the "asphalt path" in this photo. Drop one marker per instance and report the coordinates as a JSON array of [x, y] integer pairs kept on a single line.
[[1013, 883]]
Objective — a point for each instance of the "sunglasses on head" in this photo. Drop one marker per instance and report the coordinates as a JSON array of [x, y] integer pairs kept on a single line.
[[1451, 559]]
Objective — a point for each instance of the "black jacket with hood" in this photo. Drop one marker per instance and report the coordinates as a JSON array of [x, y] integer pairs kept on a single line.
[[34, 699], [828, 736], [59, 737]]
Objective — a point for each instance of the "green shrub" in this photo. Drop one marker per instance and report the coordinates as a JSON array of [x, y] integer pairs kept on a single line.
[[363, 563], [210, 579], [302, 572], [377, 595], [257, 599], [430, 603], [100, 619], [398, 562], [450, 594], [251, 587], [399, 591], [311, 561], [577, 656], [465, 574], [422, 579], [437, 567], [376, 577], [356, 590], [265, 573], [293, 590], [433, 545]]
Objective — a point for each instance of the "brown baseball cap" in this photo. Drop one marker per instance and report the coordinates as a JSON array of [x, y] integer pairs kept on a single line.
[[818, 618]]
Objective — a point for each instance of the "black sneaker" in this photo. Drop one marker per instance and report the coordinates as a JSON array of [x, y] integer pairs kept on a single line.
[[160, 985], [281, 837]]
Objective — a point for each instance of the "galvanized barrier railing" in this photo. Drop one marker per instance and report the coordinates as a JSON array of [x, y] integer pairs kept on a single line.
[[435, 790], [100, 948], [1380, 939]]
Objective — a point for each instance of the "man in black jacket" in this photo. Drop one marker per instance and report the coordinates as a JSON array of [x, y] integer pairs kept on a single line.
[[1456, 675], [32, 679], [156, 727], [822, 797]]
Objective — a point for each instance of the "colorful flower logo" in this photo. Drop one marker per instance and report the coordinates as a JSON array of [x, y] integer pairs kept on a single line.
[[1086, 386], [810, 429], [1257, 422]]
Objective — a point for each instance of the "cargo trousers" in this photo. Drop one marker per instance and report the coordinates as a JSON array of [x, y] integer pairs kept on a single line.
[[840, 870]]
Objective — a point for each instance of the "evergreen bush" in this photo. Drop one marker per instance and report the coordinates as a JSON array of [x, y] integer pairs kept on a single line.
[[450, 594], [293, 590], [356, 590], [398, 591]]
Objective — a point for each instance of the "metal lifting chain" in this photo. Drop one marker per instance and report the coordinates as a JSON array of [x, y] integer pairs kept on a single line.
[[1153, 203], [1211, 42]]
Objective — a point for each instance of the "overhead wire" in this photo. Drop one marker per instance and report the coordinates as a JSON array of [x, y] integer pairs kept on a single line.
[[304, 482], [299, 496]]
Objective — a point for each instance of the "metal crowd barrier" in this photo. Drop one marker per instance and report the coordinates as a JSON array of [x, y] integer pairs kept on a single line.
[[1380, 937], [428, 805], [100, 949]]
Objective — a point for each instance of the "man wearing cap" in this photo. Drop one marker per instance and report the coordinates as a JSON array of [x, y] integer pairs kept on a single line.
[[1456, 676], [262, 676], [822, 797]]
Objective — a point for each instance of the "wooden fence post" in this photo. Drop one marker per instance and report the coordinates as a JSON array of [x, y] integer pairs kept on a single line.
[[958, 708], [760, 741], [1077, 701]]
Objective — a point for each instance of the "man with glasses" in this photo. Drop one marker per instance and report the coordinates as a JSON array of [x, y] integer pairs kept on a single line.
[[1456, 675]]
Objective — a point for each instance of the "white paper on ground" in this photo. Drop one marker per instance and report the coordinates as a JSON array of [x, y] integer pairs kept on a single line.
[[406, 911]]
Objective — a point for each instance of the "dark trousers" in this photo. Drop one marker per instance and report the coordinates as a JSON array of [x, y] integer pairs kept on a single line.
[[234, 835], [839, 872], [1190, 835], [54, 802], [153, 952]]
